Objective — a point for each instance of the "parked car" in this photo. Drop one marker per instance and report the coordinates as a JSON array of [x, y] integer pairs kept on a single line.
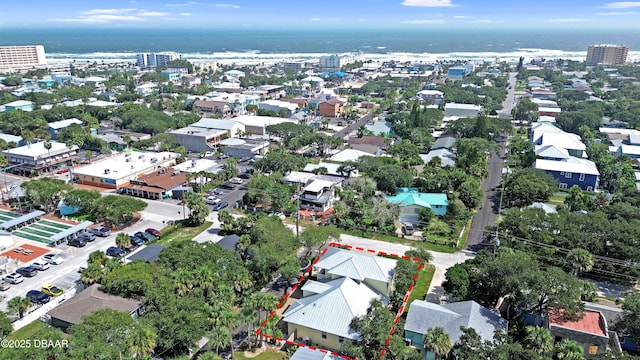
[[100, 231], [115, 251], [53, 259], [223, 156], [87, 236], [40, 266], [137, 241], [218, 192], [245, 176], [145, 236], [153, 232], [4, 285], [27, 271], [14, 278], [407, 229], [130, 248], [62, 171], [51, 290], [38, 297], [221, 205], [236, 181], [81, 269], [77, 242], [211, 200]]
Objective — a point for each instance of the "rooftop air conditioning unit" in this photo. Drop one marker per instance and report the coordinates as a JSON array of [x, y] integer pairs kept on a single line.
[[128, 159], [107, 171]]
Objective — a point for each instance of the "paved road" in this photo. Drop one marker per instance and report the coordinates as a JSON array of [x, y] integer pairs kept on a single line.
[[510, 101], [353, 127]]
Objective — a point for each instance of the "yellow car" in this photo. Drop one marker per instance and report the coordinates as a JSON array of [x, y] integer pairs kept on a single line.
[[52, 290]]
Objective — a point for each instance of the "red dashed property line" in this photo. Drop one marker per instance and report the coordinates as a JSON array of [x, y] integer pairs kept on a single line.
[[304, 276]]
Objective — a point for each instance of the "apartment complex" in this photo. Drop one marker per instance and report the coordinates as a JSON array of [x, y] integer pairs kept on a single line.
[[607, 54], [146, 60], [12, 57]]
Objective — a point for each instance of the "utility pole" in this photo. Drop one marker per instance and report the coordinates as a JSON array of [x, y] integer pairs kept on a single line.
[[298, 213]]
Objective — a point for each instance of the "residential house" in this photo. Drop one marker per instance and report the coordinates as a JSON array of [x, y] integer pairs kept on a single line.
[[446, 156], [543, 94], [444, 142], [423, 315], [280, 107], [91, 299], [318, 196], [331, 108], [57, 126], [437, 97], [572, 171], [347, 155], [590, 331], [235, 74], [305, 353], [543, 134], [212, 107], [462, 110], [332, 169], [375, 271], [145, 89], [379, 128], [8, 138], [411, 201], [18, 105]]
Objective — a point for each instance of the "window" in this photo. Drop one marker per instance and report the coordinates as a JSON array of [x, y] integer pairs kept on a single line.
[[593, 349], [562, 186], [589, 188], [340, 339], [567, 175], [561, 173], [324, 335], [581, 177]]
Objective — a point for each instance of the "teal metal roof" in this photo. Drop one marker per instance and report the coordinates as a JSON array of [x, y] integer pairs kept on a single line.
[[411, 196]]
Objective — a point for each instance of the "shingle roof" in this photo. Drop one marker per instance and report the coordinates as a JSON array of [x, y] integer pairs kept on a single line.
[[444, 142], [356, 265], [332, 310], [89, 300], [423, 315]]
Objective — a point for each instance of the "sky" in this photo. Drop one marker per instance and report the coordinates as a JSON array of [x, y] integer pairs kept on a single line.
[[324, 14]]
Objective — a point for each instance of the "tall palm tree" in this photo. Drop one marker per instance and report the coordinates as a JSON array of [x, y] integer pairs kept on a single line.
[[97, 257], [183, 280], [539, 339], [122, 240], [142, 340], [438, 341], [581, 260], [19, 305], [569, 350], [204, 279], [92, 274], [219, 337]]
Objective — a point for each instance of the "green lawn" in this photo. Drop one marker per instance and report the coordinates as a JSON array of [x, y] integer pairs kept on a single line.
[[268, 355], [28, 332], [557, 199], [178, 232], [422, 285]]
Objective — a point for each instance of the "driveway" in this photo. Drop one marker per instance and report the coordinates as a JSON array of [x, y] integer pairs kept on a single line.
[[353, 127]]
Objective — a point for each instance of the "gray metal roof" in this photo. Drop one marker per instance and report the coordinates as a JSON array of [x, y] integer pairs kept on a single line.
[[304, 353], [72, 230], [423, 315], [215, 124], [332, 310], [21, 219], [447, 157], [356, 265], [150, 253], [444, 142]]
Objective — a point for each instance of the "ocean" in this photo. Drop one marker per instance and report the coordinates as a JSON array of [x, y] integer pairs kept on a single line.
[[269, 46]]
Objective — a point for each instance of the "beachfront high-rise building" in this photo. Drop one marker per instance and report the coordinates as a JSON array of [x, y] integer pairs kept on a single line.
[[20, 57], [147, 60], [335, 62], [607, 54]]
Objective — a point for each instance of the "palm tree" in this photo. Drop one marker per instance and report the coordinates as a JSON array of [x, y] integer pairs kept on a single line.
[[19, 305], [3, 164], [243, 245], [204, 279], [438, 341], [142, 340], [539, 339], [581, 260], [569, 350], [122, 240], [48, 145], [183, 280], [92, 274], [219, 337], [97, 257], [88, 155]]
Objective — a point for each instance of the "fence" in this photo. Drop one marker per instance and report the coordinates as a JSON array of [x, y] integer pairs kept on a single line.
[[41, 311]]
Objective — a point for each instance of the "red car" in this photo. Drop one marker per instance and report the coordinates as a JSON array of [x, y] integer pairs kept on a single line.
[[62, 171], [153, 232]]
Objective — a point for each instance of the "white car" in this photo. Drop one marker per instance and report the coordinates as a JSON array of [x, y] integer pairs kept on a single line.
[[53, 259], [236, 181], [211, 200], [40, 266]]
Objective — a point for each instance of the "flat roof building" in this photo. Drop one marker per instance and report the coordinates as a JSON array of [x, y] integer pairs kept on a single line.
[[18, 57], [35, 158], [117, 171]]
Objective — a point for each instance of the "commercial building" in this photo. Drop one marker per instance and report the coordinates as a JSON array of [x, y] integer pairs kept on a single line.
[[146, 60], [278, 106], [19, 57], [156, 185], [36, 158], [206, 134], [607, 54], [118, 171]]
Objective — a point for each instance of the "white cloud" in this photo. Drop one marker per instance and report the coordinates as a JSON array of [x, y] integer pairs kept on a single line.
[[315, 19], [462, 17], [567, 20], [622, 4], [424, 21], [229, 6], [186, 14], [108, 11], [428, 3], [112, 15], [615, 13], [484, 21], [182, 4], [325, 19]]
